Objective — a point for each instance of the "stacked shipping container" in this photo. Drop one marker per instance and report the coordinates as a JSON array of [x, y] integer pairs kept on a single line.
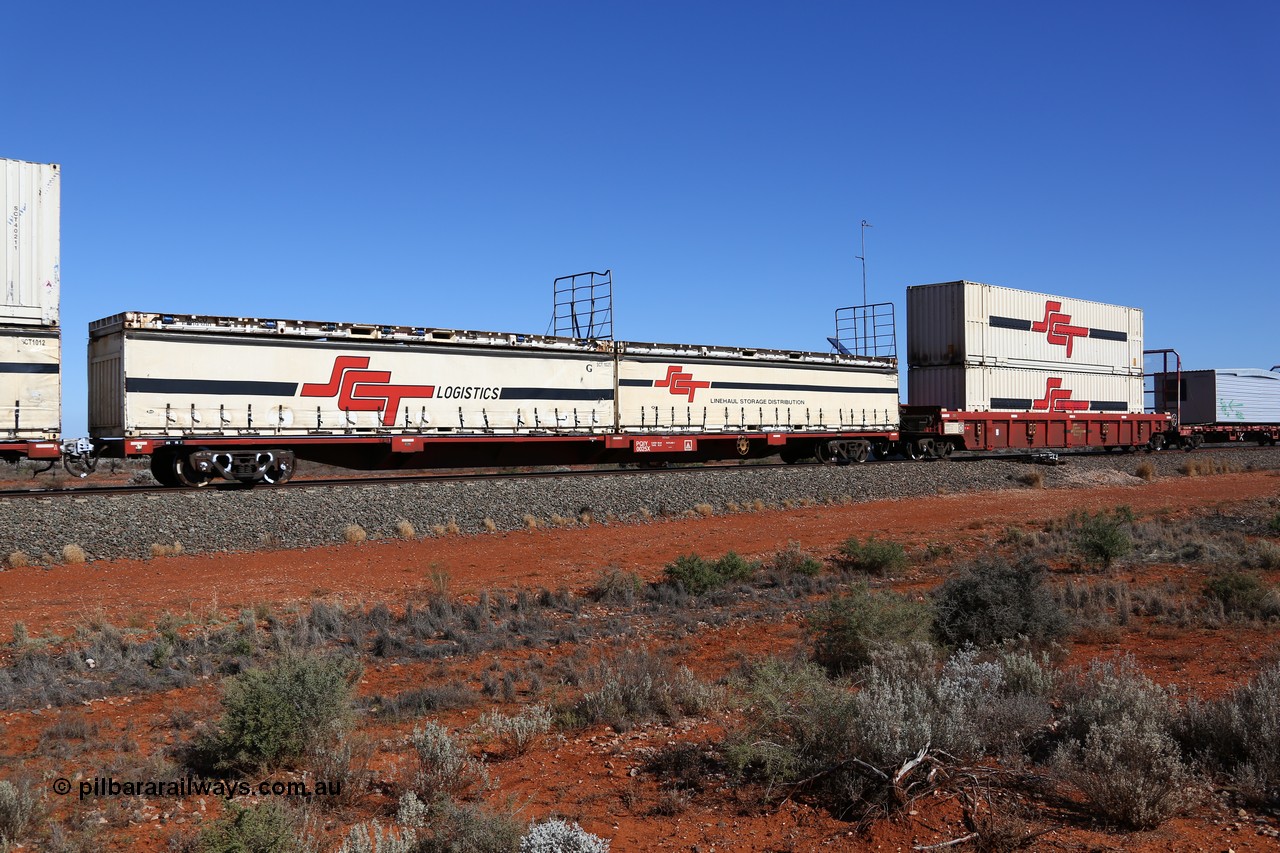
[[30, 341], [1224, 397], [977, 347]]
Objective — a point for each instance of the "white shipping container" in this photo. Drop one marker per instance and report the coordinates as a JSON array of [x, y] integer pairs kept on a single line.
[[1239, 396], [967, 323], [29, 260], [30, 383], [151, 374], [673, 388], [1003, 389]]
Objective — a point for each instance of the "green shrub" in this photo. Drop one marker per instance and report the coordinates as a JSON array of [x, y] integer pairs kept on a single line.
[[617, 586], [467, 828], [873, 557], [996, 601], [849, 628], [1101, 538], [794, 561], [1274, 524], [1107, 692], [266, 827], [697, 575], [1240, 594], [276, 714]]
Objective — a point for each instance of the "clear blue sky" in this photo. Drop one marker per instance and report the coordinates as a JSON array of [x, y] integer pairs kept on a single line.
[[440, 164]]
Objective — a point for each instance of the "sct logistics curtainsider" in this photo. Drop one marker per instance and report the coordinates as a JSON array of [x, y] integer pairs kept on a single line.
[[242, 398]]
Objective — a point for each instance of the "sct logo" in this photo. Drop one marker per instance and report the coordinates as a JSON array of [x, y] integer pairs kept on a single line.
[[680, 383], [362, 390], [1057, 399], [1057, 326]]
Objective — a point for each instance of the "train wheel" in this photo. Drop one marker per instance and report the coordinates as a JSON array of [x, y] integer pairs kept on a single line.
[[913, 450], [188, 476], [162, 469], [859, 452], [1156, 443], [823, 453], [942, 449]]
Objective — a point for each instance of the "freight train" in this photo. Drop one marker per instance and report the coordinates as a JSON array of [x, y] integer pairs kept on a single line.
[[244, 399]]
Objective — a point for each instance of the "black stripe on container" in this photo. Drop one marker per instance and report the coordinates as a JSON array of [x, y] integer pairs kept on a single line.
[[1010, 403], [556, 394], [772, 386], [1108, 406], [1106, 335], [1009, 323], [26, 367], [230, 387], [635, 383]]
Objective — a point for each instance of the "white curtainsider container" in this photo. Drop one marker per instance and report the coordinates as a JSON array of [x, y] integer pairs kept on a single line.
[[30, 383], [967, 323], [169, 375], [674, 388], [29, 264], [1003, 389], [1239, 396], [153, 374]]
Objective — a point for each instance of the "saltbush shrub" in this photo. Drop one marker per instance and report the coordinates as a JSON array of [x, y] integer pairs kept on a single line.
[[849, 628], [1241, 594], [872, 557], [445, 766], [792, 560], [276, 714], [558, 836], [1239, 735], [637, 687], [16, 808], [1130, 771], [995, 601]]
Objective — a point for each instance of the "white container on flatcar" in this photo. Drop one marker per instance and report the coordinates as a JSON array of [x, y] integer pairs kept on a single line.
[[29, 259], [30, 383], [152, 374], [672, 388], [967, 323], [1240, 396], [1002, 389]]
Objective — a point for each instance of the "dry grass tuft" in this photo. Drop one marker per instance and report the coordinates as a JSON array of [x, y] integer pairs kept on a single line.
[[354, 534], [1146, 471], [162, 549], [451, 527], [733, 506], [437, 530], [704, 510], [646, 514], [531, 522], [1207, 467], [787, 503], [560, 520], [587, 517], [1034, 479], [73, 554], [406, 529], [757, 505], [489, 525], [18, 560]]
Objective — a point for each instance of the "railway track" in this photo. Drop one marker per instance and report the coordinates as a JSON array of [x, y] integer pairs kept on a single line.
[[471, 476]]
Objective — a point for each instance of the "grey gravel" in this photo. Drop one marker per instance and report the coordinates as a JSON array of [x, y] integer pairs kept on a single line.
[[211, 520]]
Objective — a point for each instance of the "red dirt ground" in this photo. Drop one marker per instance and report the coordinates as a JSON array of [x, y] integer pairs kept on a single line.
[[589, 776]]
